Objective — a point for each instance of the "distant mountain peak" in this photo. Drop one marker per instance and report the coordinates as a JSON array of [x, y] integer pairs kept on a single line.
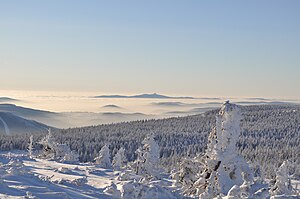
[[143, 96]]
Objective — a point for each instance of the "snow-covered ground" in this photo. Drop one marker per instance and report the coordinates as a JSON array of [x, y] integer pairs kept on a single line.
[[22, 177]]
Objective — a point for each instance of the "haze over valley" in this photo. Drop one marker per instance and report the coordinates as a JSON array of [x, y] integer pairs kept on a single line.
[[59, 110]]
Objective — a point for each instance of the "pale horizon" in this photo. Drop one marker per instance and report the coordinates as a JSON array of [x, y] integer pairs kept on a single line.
[[20, 92]]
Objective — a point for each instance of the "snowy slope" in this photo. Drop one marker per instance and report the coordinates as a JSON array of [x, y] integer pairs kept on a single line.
[[12, 124]]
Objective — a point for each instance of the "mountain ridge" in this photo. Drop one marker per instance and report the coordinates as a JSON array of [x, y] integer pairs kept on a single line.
[[143, 96]]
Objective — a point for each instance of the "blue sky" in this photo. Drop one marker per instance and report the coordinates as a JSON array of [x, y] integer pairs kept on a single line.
[[200, 48]]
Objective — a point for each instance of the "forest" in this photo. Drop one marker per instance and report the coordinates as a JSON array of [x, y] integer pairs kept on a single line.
[[270, 134]]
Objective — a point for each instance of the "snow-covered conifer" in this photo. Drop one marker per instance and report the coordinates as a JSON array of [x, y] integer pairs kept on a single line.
[[49, 145], [283, 182], [139, 163], [224, 168], [186, 175], [148, 158], [55, 151], [151, 149], [119, 159], [30, 146], [103, 159], [66, 155]]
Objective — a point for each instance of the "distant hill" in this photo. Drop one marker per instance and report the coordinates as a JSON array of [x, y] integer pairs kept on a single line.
[[72, 119], [24, 112], [111, 106], [7, 99], [46, 117], [143, 96], [124, 115], [13, 124], [168, 104]]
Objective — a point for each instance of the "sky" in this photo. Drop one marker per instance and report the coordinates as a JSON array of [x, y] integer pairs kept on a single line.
[[197, 48]]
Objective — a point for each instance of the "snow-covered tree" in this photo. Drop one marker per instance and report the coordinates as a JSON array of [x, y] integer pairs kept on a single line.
[[119, 159], [186, 174], [103, 159], [49, 147], [138, 164], [283, 182], [148, 158], [55, 151], [224, 168], [30, 146], [151, 149], [66, 154]]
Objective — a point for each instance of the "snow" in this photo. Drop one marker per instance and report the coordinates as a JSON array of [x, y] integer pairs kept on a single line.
[[13, 124], [7, 132], [46, 179]]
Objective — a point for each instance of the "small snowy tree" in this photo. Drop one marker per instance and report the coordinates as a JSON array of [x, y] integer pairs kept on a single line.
[[148, 158], [283, 182], [55, 151], [65, 154], [139, 162], [103, 159], [49, 145], [119, 159], [151, 149], [30, 146], [187, 174]]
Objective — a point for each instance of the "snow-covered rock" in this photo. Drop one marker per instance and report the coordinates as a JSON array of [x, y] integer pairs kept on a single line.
[[136, 190], [79, 181], [113, 191]]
